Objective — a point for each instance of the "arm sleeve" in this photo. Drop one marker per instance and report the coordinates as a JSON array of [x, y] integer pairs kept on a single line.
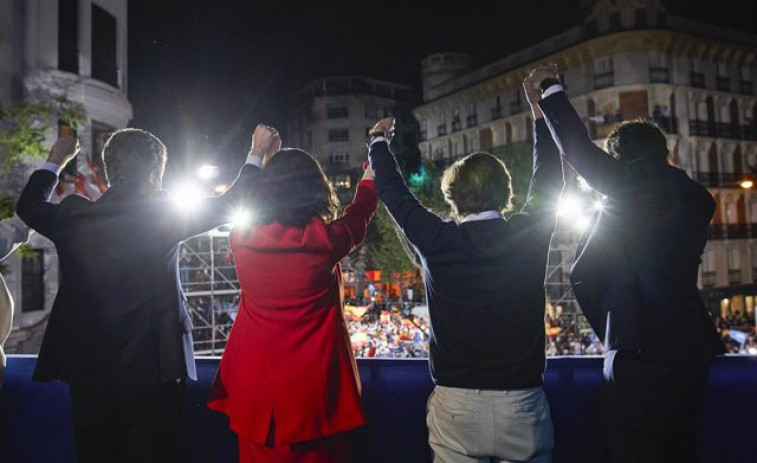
[[347, 232], [547, 180], [13, 233], [34, 206], [602, 171], [420, 225]]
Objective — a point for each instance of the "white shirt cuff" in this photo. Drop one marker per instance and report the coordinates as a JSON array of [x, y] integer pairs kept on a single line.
[[256, 161], [52, 167], [552, 89], [378, 139]]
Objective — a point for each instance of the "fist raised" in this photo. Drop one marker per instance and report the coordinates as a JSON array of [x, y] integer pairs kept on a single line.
[[64, 150], [266, 141]]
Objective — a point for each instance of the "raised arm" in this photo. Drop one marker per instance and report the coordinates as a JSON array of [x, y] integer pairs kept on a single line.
[[347, 232], [420, 225], [601, 171], [34, 206], [547, 180]]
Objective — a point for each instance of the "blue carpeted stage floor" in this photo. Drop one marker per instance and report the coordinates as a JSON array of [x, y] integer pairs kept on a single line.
[[35, 424]]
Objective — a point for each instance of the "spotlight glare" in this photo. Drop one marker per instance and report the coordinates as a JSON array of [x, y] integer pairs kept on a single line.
[[583, 185], [241, 218], [186, 196], [221, 189], [746, 184], [207, 172], [582, 223], [599, 205], [569, 207]]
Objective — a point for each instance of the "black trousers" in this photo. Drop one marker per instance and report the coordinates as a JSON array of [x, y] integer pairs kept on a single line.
[[648, 414], [118, 424]]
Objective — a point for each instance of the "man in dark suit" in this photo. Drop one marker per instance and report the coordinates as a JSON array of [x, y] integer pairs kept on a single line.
[[119, 332], [635, 277]]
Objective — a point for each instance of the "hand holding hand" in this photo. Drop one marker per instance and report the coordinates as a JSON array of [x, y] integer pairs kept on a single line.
[[367, 172], [532, 86], [64, 150], [266, 142], [384, 127]]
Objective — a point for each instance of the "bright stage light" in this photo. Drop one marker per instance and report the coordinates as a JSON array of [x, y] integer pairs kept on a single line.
[[583, 185], [186, 196], [582, 223], [207, 172], [241, 218], [569, 207], [598, 205], [221, 189], [746, 184]]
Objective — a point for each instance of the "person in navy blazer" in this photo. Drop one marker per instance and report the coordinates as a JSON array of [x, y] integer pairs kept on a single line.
[[119, 332], [635, 278]]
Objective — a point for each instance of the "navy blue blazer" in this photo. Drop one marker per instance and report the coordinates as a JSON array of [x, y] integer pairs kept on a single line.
[[640, 258], [119, 316]]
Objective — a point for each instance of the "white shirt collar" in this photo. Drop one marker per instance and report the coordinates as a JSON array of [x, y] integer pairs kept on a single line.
[[486, 215]]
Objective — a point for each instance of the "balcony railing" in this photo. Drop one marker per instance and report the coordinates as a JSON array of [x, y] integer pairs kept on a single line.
[[667, 124], [471, 120], [747, 87], [749, 132], [715, 232], [423, 135], [737, 231], [604, 80], [496, 112], [724, 84], [441, 130], [727, 130], [659, 75], [709, 278], [703, 128], [718, 179], [697, 79], [456, 125]]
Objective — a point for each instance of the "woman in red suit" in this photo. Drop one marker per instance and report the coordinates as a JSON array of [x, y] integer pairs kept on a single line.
[[288, 379]]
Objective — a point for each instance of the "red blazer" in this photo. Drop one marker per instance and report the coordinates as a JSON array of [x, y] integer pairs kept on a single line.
[[288, 356]]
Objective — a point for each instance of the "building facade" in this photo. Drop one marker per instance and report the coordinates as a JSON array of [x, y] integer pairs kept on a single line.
[[77, 50], [330, 118], [629, 59]]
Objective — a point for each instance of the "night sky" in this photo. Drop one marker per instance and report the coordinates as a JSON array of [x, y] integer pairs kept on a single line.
[[203, 73]]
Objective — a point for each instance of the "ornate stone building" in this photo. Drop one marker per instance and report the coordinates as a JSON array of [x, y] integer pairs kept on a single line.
[[629, 59], [76, 49]]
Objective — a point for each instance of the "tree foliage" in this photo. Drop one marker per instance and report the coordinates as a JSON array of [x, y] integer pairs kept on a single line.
[[23, 126]]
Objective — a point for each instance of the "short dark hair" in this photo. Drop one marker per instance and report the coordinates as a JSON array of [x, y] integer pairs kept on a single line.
[[293, 189], [633, 140], [134, 156], [476, 183]]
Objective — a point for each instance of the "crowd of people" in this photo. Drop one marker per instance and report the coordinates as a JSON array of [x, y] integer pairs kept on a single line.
[[738, 334], [394, 334]]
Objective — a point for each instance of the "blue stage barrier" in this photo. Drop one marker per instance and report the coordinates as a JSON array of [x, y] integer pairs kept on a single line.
[[35, 418]]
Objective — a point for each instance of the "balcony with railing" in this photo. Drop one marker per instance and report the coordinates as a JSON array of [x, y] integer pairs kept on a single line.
[[734, 276], [471, 120], [697, 79], [737, 231], [604, 80], [516, 107], [423, 136], [709, 278], [496, 113], [441, 130], [659, 75], [715, 232], [746, 87], [749, 132], [719, 179], [456, 125], [703, 128], [728, 130]]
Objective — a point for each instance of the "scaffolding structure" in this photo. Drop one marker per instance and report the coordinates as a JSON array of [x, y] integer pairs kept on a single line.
[[210, 284]]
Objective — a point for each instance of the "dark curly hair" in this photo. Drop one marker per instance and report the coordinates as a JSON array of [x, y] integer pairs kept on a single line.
[[640, 138], [476, 183], [293, 189]]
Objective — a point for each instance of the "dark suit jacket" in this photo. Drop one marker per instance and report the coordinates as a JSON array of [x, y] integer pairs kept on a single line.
[[119, 316], [640, 258], [484, 279]]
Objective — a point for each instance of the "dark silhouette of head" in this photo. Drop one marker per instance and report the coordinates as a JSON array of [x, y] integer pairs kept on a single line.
[[135, 157], [476, 183], [634, 140], [293, 189]]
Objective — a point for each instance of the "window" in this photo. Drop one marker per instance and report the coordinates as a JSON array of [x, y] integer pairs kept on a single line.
[[104, 63], [336, 112], [339, 158], [734, 266], [32, 281], [753, 212], [709, 275], [341, 181], [371, 111], [339, 135], [603, 64], [68, 36]]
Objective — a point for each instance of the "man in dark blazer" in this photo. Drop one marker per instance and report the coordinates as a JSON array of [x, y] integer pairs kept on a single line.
[[119, 332], [635, 278]]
